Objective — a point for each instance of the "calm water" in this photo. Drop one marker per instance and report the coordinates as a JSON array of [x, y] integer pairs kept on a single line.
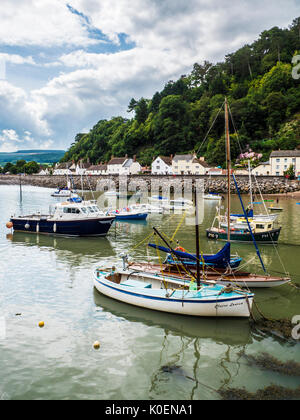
[[50, 279]]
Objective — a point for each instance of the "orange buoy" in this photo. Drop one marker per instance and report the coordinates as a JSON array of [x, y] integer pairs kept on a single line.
[[9, 225]]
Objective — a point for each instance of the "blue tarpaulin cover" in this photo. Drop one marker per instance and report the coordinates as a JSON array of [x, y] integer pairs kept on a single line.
[[222, 258]]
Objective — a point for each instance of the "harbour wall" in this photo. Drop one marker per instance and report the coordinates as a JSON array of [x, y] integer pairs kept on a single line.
[[158, 183]]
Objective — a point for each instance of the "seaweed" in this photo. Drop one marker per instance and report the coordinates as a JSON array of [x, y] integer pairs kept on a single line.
[[272, 392], [268, 362], [281, 328]]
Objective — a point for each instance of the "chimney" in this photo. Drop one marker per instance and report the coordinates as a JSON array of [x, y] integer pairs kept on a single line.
[[126, 156], [134, 158]]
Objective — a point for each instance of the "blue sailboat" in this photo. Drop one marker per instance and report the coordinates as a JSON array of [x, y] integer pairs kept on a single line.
[[222, 259]]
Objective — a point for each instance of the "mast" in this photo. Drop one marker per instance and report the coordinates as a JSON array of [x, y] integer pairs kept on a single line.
[[197, 242], [250, 185], [228, 168]]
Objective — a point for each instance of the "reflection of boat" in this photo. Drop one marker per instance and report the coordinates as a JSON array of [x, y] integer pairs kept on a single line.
[[74, 250], [227, 331], [69, 218]]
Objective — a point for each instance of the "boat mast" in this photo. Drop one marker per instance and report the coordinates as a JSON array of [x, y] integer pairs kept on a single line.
[[250, 184], [228, 168], [197, 242]]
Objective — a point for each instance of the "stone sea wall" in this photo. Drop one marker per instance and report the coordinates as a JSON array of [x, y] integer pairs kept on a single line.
[[162, 184]]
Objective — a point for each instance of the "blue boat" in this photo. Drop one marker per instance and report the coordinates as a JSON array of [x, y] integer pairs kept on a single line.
[[129, 214], [71, 218], [220, 260]]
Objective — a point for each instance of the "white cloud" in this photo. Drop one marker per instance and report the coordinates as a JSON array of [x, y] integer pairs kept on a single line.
[[169, 37], [45, 23]]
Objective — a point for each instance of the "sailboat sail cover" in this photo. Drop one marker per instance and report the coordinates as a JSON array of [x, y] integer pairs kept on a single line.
[[222, 258]]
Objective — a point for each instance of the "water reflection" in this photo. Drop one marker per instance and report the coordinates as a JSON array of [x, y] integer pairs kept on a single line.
[[73, 250], [234, 332]]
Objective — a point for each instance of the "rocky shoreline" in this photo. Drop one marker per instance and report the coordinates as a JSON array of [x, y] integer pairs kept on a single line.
[[216, 184]]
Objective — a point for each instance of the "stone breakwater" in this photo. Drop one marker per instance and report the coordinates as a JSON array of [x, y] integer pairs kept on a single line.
[[161, 184]]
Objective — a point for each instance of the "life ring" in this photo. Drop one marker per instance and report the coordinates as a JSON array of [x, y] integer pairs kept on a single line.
[[179, 248]]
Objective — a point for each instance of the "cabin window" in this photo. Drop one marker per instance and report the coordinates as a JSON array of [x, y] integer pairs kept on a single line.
[[259, 226], [269, 226], [84, 210], [90, 209]]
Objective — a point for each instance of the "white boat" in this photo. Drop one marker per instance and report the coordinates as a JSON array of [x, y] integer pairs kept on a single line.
[[215, 197], [147, 208], [62, 193], [116, 194], [172, 295], [179, 204]]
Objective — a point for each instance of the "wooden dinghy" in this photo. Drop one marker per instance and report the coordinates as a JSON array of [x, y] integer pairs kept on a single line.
[[219, 276]]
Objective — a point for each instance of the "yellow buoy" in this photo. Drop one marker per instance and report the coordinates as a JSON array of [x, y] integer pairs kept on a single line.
[[41, 324], [96, 345]]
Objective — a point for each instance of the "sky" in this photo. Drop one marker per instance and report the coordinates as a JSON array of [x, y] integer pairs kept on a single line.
[[66, 64]]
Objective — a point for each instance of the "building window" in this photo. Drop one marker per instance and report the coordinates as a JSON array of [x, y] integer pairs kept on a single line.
[[278, 160]]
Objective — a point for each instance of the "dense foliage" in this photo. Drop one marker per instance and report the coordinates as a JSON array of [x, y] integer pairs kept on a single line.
[[264, 99], [21, 167]]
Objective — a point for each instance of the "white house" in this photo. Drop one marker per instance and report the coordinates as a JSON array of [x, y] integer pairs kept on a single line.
[[123, 166], [281, 160], [263, 169], [189, 165], [100, 169], [162, 165], [44, 172], [63, 169], [81, 168]]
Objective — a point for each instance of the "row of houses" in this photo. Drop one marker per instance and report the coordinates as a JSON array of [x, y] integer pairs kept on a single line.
[[116, 166], [187, 164]]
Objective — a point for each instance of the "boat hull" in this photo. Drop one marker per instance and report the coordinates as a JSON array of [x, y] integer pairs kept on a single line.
[[222, 306], [86, 227], [269, 237], [219, 276], [140, 216]]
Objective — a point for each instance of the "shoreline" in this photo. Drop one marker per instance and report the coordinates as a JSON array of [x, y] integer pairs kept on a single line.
[[162, 185]]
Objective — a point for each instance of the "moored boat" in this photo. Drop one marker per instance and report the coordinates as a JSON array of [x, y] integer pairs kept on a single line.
[[172, 295], [71, 218]]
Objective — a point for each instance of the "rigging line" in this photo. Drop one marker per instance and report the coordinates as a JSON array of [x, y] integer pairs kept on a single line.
[[235, 130], [249, 226], [210, 128], [273, 243]]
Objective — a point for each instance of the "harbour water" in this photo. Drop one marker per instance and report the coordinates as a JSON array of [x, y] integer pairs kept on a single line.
[[143, 354]]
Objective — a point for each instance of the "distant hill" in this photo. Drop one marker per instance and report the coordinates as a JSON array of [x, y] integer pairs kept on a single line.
[[40, 156]]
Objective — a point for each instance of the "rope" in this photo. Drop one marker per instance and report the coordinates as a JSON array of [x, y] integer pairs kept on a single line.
[[179, 226], [210, 128]]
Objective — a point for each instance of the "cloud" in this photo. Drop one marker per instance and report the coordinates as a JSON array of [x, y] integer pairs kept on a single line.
[[86, 83], [46, 23]]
